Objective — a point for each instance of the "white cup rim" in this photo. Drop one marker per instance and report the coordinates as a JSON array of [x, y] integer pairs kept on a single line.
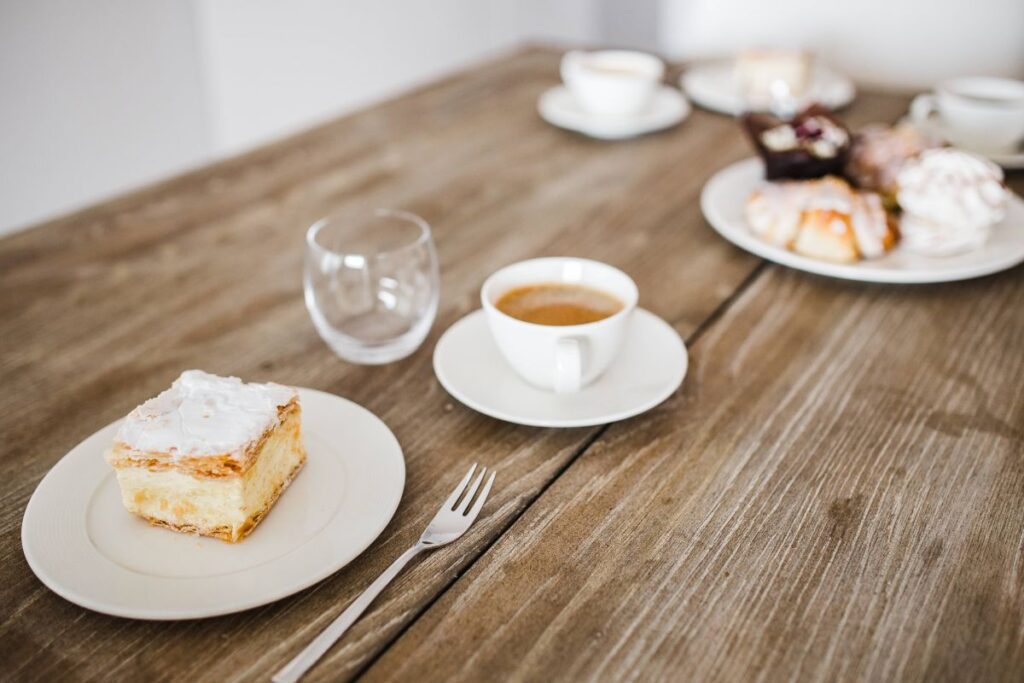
[[627, 306], [421, 239], [648, 67]]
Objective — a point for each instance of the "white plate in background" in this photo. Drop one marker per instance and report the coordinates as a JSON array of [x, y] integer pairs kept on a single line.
[[712, 85]]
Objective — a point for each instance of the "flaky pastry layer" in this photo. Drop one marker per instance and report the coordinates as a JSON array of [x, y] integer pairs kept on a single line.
[[226, 532], [209, 466]]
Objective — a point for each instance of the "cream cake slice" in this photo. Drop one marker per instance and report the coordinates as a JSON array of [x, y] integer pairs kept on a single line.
[[209, 456]]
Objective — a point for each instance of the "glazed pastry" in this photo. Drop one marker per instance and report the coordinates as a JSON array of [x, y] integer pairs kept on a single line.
[[824, 219], [811, 145], [879, 152], [950, 201], [210, 455]]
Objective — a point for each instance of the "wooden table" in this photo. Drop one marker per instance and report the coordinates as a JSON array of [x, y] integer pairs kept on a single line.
[[836, 492]]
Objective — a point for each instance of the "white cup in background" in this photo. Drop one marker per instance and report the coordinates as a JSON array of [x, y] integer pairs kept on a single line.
[[977, 112], [612, 82], [559, 358]]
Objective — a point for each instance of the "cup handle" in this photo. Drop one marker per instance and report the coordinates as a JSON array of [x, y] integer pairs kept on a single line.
[[568, 365], [922, 107]]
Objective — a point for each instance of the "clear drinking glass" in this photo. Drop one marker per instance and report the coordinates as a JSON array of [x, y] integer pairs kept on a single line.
[[372, 284]]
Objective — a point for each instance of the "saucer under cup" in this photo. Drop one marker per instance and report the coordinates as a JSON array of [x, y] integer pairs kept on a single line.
[[560, 108], [979, 113], [649, 367]]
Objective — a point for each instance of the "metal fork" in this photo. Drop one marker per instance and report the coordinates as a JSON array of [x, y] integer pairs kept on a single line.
[[450, 522]]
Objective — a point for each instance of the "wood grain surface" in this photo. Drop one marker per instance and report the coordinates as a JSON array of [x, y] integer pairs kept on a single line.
[[716, 536], [835, 494]]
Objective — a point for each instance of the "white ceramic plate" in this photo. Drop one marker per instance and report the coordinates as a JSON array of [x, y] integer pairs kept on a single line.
[[725, 195], [558, 107], [1008, 159], [712, 85], [649, 368], [81, 542]]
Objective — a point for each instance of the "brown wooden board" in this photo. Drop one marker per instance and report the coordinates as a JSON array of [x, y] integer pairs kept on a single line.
[[835, 494], [103, 308]]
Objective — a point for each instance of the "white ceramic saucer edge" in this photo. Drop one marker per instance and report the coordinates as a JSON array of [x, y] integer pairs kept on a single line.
[[309, 561], [724, 196], [474, 326], [557, 107], [1011, 161]]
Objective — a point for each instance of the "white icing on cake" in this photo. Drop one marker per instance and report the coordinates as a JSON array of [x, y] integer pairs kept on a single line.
[[950, 200], [203, 414]]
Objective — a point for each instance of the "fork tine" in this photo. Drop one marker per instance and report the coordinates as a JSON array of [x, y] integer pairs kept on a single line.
[[479, 504], [452, 499], [464, 505]]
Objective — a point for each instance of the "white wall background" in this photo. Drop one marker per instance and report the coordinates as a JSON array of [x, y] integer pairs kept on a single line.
[[95, 97], [904, 44], [100, 96], [271, 67]]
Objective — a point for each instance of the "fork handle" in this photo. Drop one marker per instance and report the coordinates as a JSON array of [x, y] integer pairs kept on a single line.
[[295, 669]]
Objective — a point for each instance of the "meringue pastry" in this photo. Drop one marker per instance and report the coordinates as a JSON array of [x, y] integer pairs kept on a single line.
[[950, 201]]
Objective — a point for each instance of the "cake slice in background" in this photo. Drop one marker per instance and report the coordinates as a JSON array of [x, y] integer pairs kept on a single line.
[[210, 455], [760, 72]]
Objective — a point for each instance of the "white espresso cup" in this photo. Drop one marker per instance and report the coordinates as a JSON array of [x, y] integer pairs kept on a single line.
[[977, 112], [559, 358], [612, 82]]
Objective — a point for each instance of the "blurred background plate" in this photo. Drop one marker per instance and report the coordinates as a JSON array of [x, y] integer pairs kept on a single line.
[[712, 85]]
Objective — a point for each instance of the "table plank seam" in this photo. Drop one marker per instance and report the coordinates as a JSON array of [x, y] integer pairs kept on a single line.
[[715, 315], [483, 551]]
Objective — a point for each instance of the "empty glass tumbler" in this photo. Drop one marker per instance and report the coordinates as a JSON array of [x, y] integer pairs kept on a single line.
[[372, 284]]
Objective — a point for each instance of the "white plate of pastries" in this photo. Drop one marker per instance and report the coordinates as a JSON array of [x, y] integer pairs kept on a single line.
[[213, 497], [888, 204]]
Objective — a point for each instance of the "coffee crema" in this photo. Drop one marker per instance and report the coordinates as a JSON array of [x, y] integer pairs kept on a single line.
[[558, 304]]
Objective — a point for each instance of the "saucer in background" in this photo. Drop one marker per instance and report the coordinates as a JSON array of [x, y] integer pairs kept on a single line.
[[1008, 159], [558, 107]]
